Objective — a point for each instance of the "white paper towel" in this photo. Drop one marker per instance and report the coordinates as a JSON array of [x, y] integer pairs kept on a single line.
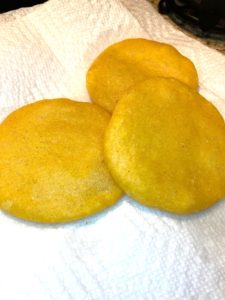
[[127, 252]]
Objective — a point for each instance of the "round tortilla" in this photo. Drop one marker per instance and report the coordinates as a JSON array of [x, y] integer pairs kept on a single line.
[[131, 61], [51, 162], [165, 147]]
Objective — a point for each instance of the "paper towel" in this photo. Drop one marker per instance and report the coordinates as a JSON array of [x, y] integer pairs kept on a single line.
[[127, 252]]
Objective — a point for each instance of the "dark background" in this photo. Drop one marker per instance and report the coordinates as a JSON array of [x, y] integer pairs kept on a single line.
[[6, 5]]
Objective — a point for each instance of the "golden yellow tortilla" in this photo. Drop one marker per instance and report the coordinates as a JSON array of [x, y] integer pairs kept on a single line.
[[51, 162], [128, 62], [165, 147]]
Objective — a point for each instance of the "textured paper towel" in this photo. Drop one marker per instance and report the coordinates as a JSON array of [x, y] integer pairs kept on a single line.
[[126, 252]]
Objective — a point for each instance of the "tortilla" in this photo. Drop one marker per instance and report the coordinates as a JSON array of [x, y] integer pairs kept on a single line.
[[131, 61], [165, 147], [51, 162]]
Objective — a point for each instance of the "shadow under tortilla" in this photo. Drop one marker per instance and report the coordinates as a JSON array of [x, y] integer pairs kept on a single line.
[[90, 220], [177, 217], [87, 221]]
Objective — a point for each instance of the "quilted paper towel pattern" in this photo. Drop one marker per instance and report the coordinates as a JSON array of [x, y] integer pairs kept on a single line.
[[126, 252]]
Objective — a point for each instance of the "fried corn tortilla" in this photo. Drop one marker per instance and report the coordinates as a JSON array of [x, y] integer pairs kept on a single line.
[[165, 147], [51, 162], [130, 61]]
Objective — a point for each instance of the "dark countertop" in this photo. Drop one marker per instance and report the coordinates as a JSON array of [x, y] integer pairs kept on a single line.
[[220, 46]]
